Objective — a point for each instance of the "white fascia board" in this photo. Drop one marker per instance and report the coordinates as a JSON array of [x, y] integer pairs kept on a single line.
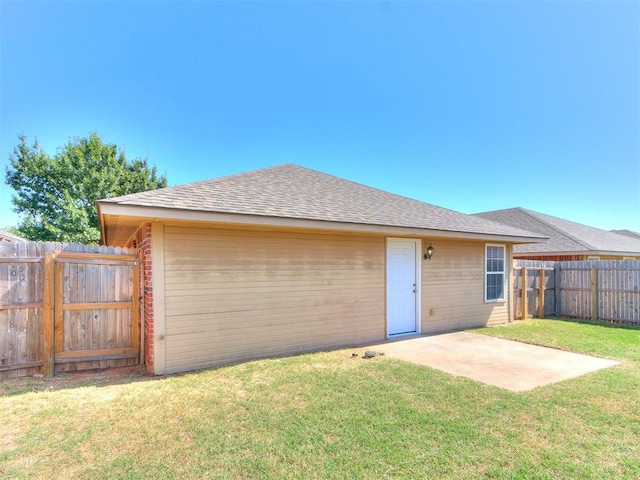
[[607, 253], [158, 214], [599, 253]]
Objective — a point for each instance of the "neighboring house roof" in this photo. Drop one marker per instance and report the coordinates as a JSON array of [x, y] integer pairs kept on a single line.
[[10, 237], [565, 237], [292, 195], [627, 233]]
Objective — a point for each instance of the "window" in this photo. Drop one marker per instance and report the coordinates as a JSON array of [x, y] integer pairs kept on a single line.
[[494, 273]]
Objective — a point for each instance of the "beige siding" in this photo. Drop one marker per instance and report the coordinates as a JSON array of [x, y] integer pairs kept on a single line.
[[234, 294], [453, 289]]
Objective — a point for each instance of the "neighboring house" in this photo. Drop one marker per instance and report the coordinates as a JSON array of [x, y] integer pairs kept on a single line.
[[10, 237], [567, 240], [286, 260]]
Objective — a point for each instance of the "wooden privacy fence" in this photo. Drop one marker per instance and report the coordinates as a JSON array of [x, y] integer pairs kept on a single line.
[[534, 292], [600, 290], [67, 307], [595, 289]]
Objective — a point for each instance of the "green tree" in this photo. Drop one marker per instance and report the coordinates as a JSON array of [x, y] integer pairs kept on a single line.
[[55, 196]]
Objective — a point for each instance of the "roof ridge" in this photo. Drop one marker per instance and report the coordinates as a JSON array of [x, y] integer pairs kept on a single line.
[[535, 216], [386, 192], [353, 182], [498, 222], [397, 195], [626, 233]]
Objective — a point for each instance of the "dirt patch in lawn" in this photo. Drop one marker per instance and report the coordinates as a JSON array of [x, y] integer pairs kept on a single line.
[[107, 376]]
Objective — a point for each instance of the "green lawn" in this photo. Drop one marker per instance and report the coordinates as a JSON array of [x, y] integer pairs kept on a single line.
[[328, 415]]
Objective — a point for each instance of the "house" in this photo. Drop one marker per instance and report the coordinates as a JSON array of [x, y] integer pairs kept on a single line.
[[10, 237], [567, 240], [286, 259]]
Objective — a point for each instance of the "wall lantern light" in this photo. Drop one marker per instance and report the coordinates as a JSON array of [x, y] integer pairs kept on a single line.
[[429, 254]]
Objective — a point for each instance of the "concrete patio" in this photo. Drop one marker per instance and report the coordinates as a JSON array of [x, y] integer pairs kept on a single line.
[[506, 364]]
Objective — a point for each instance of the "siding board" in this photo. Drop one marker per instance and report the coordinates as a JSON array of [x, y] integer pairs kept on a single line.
[[235, 294]]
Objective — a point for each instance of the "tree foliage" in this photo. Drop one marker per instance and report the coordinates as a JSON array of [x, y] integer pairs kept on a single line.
[[55, 196]]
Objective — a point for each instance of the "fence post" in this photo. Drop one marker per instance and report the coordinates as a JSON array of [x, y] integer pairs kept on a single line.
[[135, 330], [557, 287], [523, 283], [541, 293], [48, 335], [594, 294], [58, 280]]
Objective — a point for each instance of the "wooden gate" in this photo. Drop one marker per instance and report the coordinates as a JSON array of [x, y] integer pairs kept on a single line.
[[62, 309]]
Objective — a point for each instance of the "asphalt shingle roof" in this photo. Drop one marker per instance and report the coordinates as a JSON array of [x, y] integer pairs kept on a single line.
[[564, 235], [291, 191], [10, 237], [627, 233]]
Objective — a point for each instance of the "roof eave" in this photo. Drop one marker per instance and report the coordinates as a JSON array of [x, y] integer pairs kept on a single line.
[[161, 213], [607, 253], [601, 253]]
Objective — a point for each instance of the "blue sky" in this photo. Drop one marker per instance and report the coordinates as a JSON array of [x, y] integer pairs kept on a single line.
[[471, 106]]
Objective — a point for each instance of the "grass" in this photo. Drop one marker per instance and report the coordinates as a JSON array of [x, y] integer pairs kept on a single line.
[[595, 338], [328, 415]]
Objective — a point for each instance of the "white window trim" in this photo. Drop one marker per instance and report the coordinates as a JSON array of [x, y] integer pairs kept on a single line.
[[504, 273]]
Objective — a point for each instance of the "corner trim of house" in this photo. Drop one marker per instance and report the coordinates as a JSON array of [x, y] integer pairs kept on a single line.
[[510, 283], [159, 320]]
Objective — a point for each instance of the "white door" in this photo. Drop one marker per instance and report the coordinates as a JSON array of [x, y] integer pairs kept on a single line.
[[402, 287]]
